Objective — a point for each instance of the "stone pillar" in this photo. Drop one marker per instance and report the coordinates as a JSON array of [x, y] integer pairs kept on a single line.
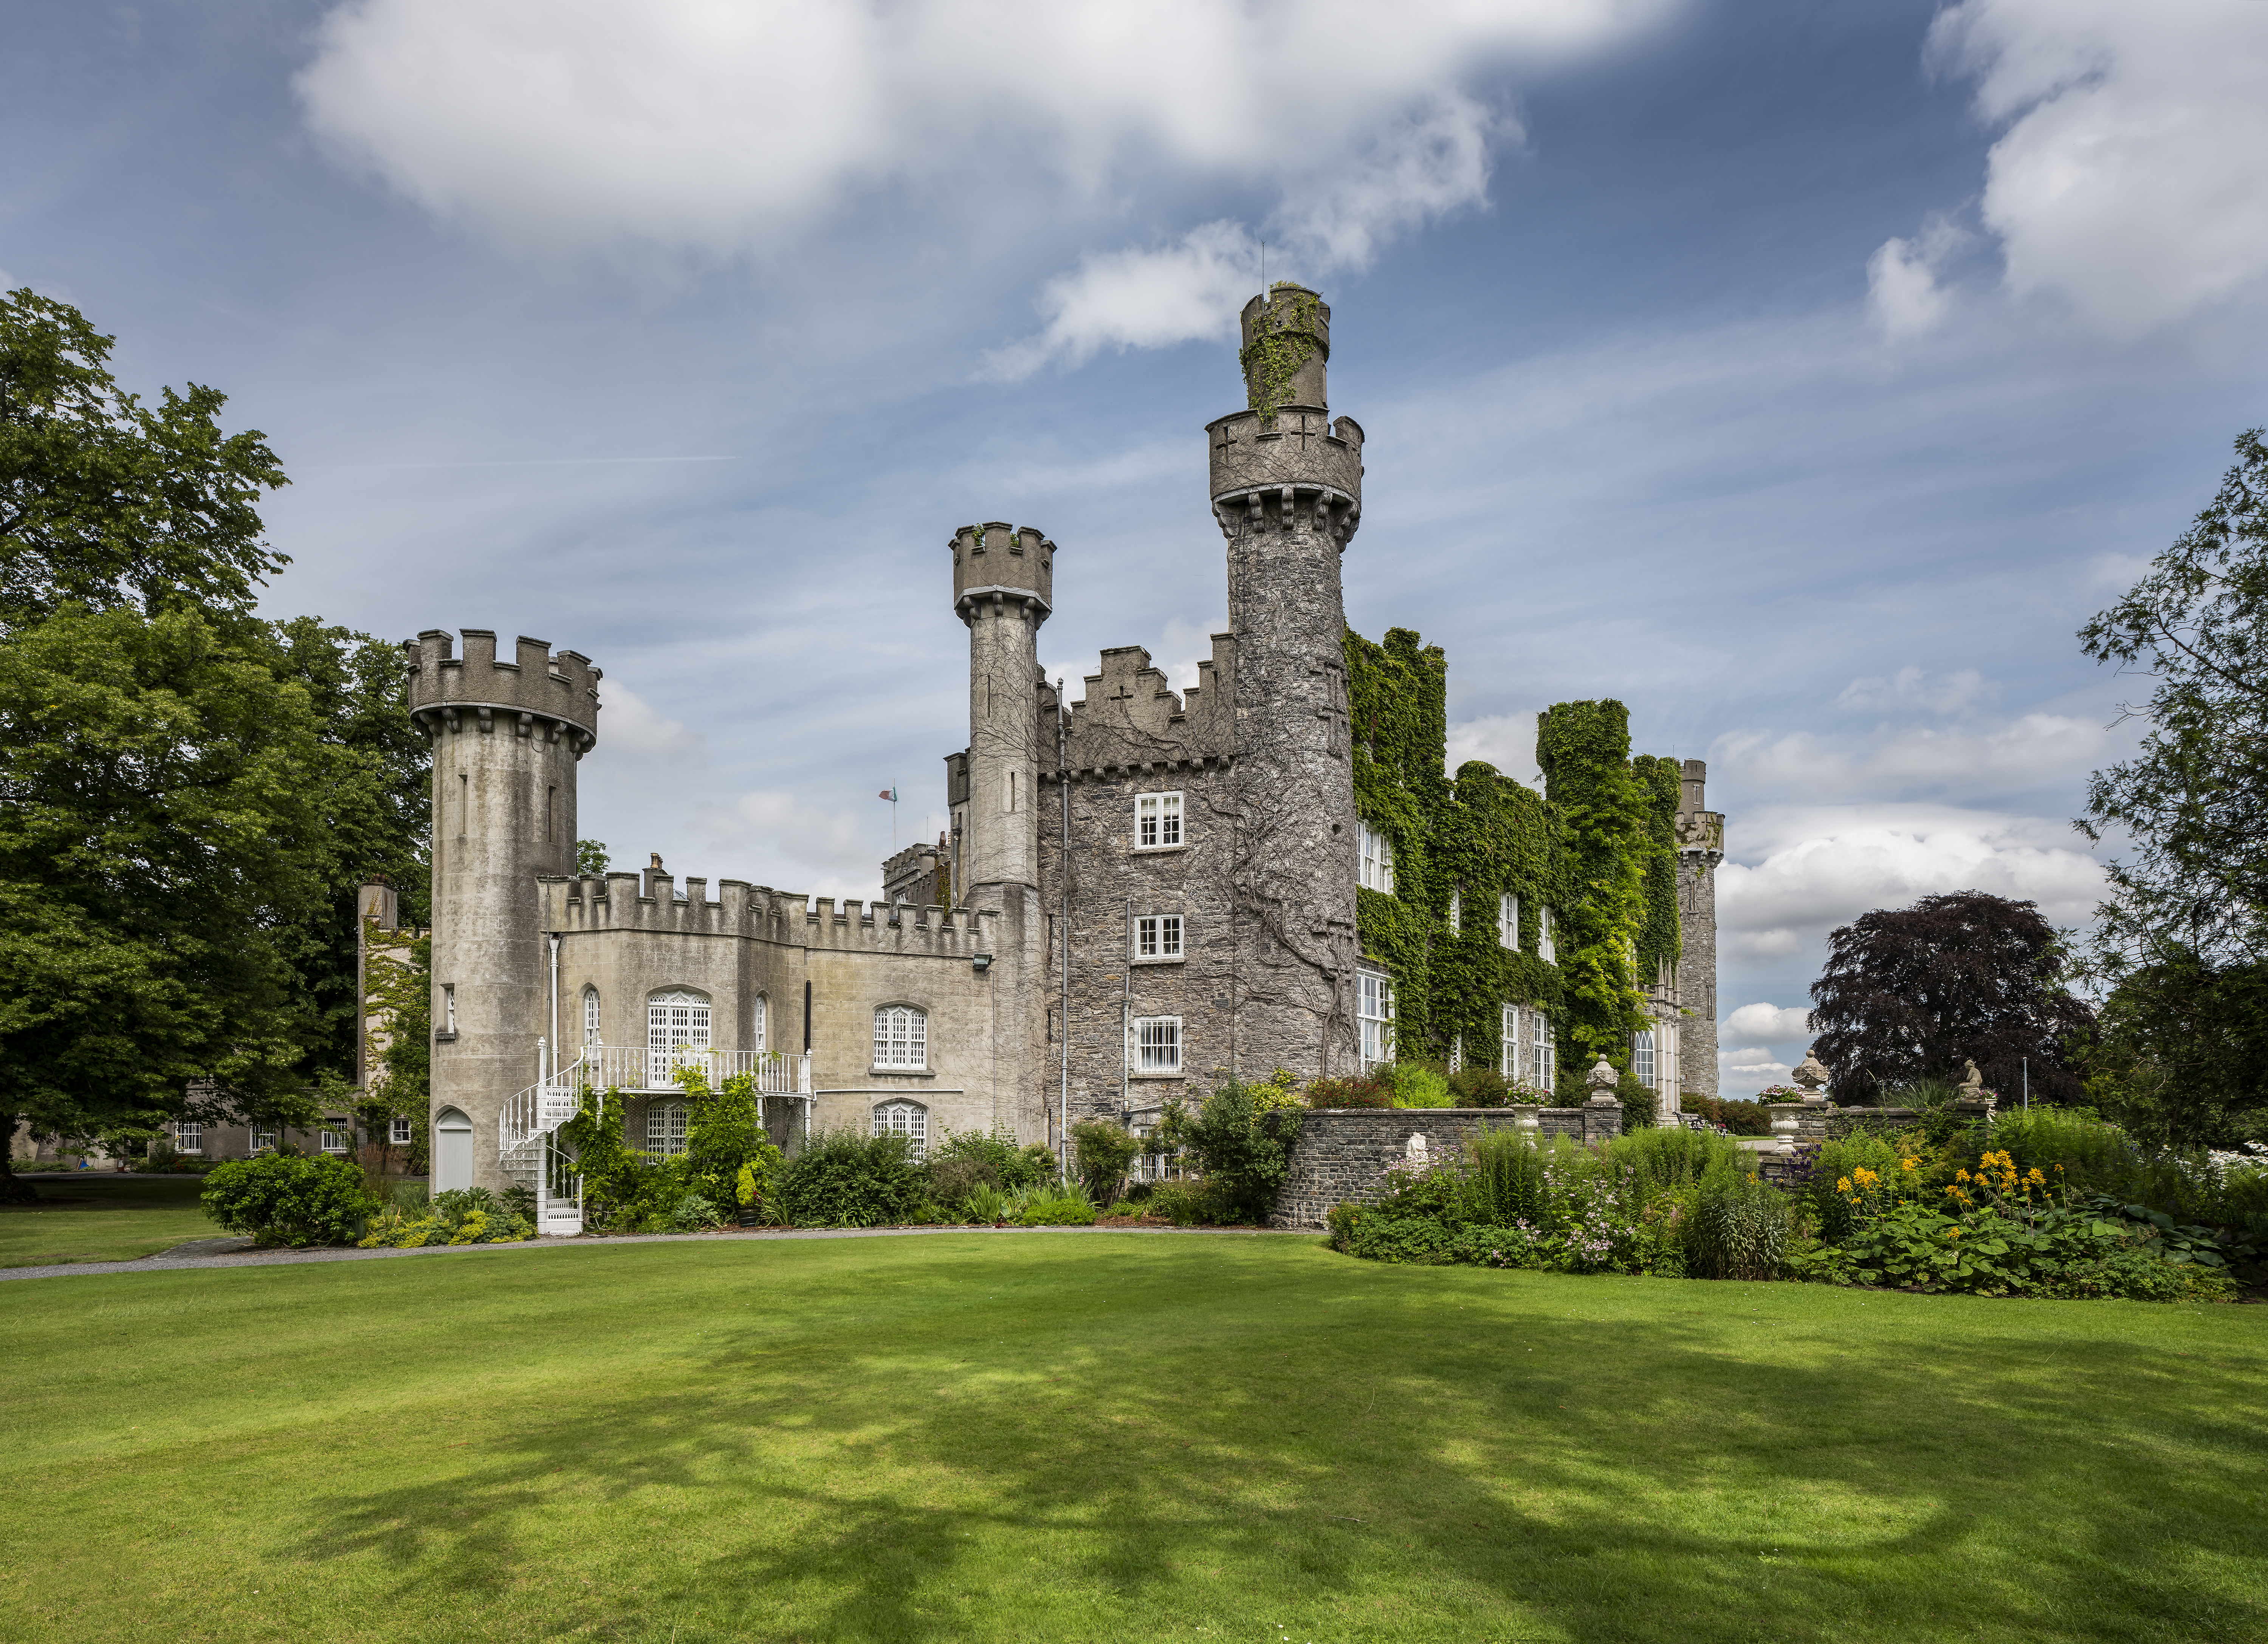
[[1700, 850], [1287, 491], [507, 736]]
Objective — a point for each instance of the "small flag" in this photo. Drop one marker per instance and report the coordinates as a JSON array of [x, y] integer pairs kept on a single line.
[[890, 794]]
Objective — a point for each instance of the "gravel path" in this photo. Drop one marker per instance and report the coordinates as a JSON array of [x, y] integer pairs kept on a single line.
[[203, 1253]]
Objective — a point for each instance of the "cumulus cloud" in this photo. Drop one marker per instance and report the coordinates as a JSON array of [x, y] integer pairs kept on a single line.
[[2006, 757], [1765, 1024], [633, 728], [1912, 688], [2126, 182], [1903, 292], [1743, 1073], [1507, 741], [777, 838]]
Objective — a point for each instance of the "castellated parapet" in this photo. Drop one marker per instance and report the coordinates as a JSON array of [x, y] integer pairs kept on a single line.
[[998, 564], [535, 694], [1286, 459]]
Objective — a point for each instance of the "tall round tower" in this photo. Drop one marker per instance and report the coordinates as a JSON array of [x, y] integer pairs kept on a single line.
[[506, 738], [1003, 588], [1287, 491]]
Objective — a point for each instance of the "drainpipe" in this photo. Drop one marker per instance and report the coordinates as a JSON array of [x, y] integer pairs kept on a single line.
[[1126, 1015], [1062, 875]]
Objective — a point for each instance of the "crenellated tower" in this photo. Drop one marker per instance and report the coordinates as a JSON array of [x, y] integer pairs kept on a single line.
[[506, 736], [1287, 483]]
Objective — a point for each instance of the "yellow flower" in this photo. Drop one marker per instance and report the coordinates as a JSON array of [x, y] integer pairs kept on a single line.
[[2034, 1177], [1843, 1184], [1953, 1232], [1960, 1175], [1908, 1164]]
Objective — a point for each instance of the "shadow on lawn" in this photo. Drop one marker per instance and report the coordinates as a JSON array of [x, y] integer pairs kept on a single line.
[[853, 1487]]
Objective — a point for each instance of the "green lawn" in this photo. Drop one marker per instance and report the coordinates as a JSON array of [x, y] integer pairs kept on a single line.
[[1111, 1437], [102, 1217]]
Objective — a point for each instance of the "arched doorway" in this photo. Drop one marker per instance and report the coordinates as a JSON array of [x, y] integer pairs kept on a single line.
[[452, 1150]]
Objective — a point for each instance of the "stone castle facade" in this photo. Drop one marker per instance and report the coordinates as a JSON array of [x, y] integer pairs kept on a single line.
[[1143, 890]]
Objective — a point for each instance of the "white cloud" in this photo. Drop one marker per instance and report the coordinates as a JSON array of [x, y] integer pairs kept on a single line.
[[632, 727], [1765, 1024], [1903, 293], [2032, 749], [2127, 183], [779, 839], [1741, 1073], [1912, 688], [1189, 288], [1507, 741]]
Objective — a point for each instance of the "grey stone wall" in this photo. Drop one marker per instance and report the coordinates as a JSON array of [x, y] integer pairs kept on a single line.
[[1700, 850], [1343, 1154]]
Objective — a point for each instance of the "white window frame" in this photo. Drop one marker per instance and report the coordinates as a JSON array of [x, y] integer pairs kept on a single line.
[[1374, 866], [591, 1016], [1507, 921], [334, 1141], [1642, 1059], [1374, 1015], [902, 1118], [262, 1140], [1547, 943], [759, 1022], [400, 1133], [677, 1027], [1158, 938], [189, 1135], [901, 1039], [449, 1008], [1507, 1061], [1159, 819], [1544, 1051], [1155, 1046], [664, 1128]]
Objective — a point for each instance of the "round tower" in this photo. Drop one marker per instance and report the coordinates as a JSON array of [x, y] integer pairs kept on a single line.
[[1287, 491], [506, 738], [1003, 588]]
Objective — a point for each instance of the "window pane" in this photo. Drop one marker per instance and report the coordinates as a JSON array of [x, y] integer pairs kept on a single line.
[[1169, 819], [1169, 936]]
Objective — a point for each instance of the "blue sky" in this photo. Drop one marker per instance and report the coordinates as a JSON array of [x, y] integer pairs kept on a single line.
[[1802, 375]]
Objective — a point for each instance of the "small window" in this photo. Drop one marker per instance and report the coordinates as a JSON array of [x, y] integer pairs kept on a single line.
[[1157, 1044], [590, 1017], [1156, 820], [1544, 945], [262, 1142], [908, 1119], [757, 1024], [1544, 1050], [1157, 936], [335, 1141], [900, 1037], [398, 1133], [1508, 1056], [449, 1008], [1376, 867], [188, 1137], [1374, 1014], [1011, 789], [1642, 1058], [1507, 921], [664, 1128], [1456, 912]]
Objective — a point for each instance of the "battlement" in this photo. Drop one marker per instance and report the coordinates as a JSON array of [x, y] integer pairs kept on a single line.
[[1297, 456], [1131, 716], [760, 913], [535, 694], [998, 564]]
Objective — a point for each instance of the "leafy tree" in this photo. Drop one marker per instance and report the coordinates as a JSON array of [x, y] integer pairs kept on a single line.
[[1241, 1139], [591, 858], [2183, 939], [1102, 1153], [400, 1077], [1910, 993]]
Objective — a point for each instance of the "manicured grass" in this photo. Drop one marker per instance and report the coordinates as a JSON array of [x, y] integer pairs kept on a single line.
[[1032, 1436], [102, 1217]]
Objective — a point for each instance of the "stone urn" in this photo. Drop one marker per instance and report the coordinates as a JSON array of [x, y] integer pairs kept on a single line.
[[1602, 1078], [1528, 1118], [1811, 1076]]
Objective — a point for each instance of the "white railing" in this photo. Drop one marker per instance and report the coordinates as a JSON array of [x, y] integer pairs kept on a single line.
[[627, 1067]]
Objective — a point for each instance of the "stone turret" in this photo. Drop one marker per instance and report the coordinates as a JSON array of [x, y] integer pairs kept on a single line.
[[1700, 849], [506, 739], [1286, 486], [1002, 581]]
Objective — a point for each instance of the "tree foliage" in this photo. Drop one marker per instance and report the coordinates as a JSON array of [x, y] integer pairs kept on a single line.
[[2183, 938], [1910, 993]]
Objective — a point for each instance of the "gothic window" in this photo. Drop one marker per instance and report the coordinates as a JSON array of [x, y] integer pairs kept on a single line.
[[676, 1035], [1642, 1057], [1507, 921], [1156, 820], [664, 1128], [590, 1017], [900, 1037], [1374, 1014], [1376, 872], [1157, 1044], [1508, 1056], [757, 1024], [1543, 1040], [189, 1137], [1157, 936], [397, 1133], [908, 1119], [1545, 929]]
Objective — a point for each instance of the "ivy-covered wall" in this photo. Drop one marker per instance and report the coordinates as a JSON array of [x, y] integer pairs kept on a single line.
[[1598, 847]]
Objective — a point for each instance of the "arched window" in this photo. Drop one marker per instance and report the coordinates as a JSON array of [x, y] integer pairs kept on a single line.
[[900, 1037], [664, 1128], [908, 1119], [676, 1035], [756, 1025], [590, 1017], [1642, 1057]]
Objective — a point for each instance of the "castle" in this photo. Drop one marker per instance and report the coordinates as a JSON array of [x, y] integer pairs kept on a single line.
[[1142, 890]]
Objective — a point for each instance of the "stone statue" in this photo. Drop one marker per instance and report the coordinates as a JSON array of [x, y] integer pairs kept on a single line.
[[1417, 1153], [1972, 1082], [1602, 1078]]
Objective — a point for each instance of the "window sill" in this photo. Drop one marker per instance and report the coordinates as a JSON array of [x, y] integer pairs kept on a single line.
[[1159, 850], [902, 1072], [1176, 1073], [1177, 959], [448, 1035]]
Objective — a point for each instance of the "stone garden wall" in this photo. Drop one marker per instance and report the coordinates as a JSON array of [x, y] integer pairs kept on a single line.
[[1343, 1154]]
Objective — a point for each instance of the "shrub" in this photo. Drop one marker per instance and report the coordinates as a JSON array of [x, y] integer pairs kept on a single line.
[[1481, 1087], [1507, 1183], [695, 1214], [953, 1178], [848, 1179], [1640, 1106], [1010, 1167], [1742, 1119], [1243, 1152], [471, 1215], [1738, 1229], [289, 1200], [1101, 1152], [1184, 1203], [1065, 1205], [986, 1203], [1358, 1090], [1415, 1085]]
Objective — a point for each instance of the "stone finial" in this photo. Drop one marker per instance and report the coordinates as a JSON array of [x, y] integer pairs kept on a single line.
[[1811, 1074], [1602, 1078]]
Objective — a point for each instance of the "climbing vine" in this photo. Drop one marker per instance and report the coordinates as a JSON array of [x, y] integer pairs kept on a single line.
[[1284, 339], [1597, 848]]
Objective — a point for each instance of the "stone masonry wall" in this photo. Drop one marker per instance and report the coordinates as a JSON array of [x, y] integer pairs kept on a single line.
[[1343, 1154]]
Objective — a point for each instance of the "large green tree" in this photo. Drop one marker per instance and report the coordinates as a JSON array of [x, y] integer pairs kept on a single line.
[[2182, 940], [189, 794]]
